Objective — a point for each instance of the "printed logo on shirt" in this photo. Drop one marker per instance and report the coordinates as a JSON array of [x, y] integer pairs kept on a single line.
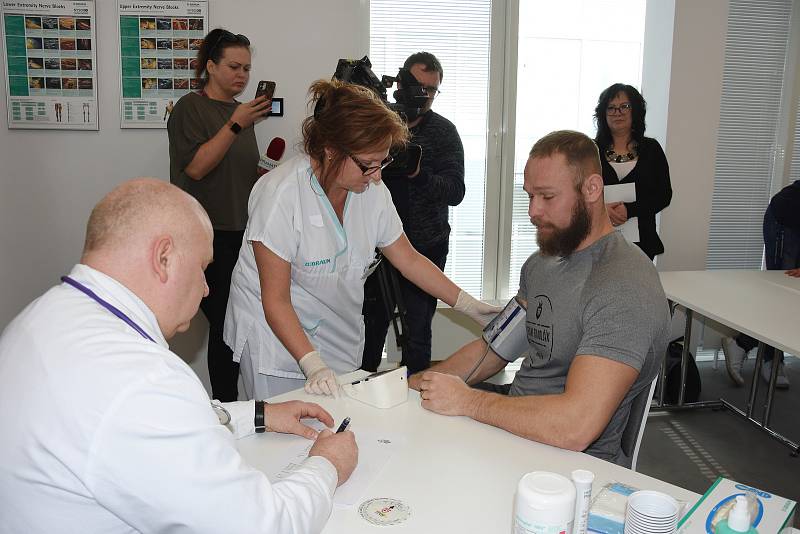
[[317, 262], [539, 326]]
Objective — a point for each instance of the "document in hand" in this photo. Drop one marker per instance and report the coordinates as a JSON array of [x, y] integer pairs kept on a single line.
[[624, 193]]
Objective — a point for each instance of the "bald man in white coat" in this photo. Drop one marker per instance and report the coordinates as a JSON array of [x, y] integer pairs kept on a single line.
[[106, 430]]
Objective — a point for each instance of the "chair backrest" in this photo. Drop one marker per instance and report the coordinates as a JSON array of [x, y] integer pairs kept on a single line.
[[634, 430]]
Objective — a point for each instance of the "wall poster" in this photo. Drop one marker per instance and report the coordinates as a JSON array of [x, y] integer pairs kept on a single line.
[[50, 64], [158, 43]]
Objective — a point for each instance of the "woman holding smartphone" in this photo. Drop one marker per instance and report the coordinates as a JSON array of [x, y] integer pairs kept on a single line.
[[214, 157], [294, 314]]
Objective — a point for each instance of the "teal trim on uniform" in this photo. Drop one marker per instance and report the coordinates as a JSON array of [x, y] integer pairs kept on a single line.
[[339, 225], [336, 256], [315, 187], [332, 213], [346, 203], [312, 330]]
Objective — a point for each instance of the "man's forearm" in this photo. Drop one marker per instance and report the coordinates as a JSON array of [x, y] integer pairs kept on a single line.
[[449, 185], [458, 364], [547, 419], [444, 176], [464, 361]]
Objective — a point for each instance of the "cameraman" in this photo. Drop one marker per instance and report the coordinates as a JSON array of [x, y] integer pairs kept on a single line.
[[422, 199]]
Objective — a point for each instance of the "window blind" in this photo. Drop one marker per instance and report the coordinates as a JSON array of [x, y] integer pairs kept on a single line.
[[755, 53], [794, 166], [457, 32]]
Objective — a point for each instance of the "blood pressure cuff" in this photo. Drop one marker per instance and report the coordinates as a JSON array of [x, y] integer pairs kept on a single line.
[[506, 334]]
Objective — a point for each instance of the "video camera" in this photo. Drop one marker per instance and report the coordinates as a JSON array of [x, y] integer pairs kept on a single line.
[[410, 97]]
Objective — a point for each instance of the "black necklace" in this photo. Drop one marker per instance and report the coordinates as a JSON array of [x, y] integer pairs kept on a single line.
[[611, 155]]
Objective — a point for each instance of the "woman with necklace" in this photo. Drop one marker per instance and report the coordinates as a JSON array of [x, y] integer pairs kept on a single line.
[[627, 156]]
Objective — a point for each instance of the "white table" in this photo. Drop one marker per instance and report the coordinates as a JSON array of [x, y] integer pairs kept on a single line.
[[762, 304], [457, 475]]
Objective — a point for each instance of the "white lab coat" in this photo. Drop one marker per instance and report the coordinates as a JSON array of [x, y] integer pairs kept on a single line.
[[291, 215], [106, 431]]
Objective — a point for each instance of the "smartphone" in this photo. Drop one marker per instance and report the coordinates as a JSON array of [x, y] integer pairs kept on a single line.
[[266, 88]]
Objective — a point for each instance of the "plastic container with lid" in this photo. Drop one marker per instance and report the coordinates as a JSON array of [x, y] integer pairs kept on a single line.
[[544, 504]]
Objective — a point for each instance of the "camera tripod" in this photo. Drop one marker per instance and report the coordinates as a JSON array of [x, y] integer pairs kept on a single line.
[[393, 303]]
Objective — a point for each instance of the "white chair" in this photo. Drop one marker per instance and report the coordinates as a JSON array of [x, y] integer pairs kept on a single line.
[[634, 429]]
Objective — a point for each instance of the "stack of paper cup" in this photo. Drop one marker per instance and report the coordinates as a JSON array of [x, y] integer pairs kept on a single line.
[[651, 512]]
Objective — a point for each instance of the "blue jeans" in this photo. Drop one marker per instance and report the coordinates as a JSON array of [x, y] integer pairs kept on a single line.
[[781, 244]]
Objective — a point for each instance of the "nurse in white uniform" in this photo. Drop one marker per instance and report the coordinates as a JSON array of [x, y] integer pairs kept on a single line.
[[294, 312]]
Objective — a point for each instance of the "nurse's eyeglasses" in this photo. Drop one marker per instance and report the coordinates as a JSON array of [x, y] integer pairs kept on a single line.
[[366, 170]]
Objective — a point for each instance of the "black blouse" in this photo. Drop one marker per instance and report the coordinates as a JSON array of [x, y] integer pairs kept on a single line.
[[653, 191]]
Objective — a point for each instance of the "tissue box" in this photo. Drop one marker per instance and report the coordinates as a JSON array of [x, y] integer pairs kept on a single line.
[[607, 512], [769, 513]]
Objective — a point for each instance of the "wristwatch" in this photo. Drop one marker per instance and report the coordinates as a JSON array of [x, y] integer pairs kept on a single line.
[[258, 421], [235, 127]]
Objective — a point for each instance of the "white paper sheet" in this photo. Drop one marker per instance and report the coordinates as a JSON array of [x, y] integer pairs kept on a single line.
[[374, 451], [620, 193], [624, 193], [630, 229]]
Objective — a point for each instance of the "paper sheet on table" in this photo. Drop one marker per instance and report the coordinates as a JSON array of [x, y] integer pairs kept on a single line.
[[374, 451], [624, 193]]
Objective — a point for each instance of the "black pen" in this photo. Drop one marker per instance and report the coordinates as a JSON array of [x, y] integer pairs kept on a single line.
[[344, 425]]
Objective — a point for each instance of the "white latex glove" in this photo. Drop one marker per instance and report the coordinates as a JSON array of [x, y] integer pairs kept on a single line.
[[480, 312], [320, 379]]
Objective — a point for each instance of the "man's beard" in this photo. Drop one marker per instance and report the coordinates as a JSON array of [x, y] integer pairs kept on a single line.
[[563, 241]]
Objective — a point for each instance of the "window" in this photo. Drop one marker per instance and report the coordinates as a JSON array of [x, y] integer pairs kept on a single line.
[[747, 142], [566, 56], [458, 33]]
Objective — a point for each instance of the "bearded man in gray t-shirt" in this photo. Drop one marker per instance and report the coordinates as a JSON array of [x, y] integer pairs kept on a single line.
[[597, 319]]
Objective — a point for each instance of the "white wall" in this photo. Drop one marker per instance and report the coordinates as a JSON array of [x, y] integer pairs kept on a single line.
[[694, 98], [49, 180]]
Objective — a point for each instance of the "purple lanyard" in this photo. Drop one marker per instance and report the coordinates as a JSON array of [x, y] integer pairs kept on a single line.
[[94, 296]]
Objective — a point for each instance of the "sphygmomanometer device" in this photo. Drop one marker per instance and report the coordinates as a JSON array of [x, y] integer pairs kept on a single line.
[[384, 389], [506, 334]]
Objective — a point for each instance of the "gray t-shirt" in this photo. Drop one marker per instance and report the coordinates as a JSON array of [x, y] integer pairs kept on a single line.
[[224, 191], [605, 300]]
